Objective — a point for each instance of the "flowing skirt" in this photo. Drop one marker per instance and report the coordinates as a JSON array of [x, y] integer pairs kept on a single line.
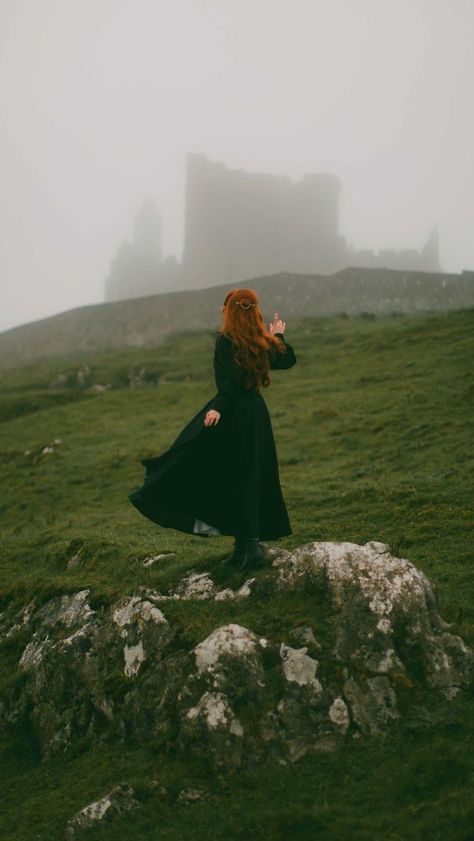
[[220, 479]]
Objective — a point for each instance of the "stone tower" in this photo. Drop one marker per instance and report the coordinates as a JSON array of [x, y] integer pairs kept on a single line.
[[135, 270]]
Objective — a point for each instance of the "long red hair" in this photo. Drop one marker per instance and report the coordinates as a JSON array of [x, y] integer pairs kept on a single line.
[[243, 323]]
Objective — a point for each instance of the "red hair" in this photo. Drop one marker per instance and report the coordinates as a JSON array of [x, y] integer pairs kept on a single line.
[[245, 326]]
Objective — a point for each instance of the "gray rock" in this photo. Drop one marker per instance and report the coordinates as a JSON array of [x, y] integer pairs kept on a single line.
[[153, 559], [75, 561], [198, 585], [142, 376], [385, 612], [68, 610], [9, 627], [125, 672], [83, 375], [59, 382], [192, 795], [100, 387], [117, 801]]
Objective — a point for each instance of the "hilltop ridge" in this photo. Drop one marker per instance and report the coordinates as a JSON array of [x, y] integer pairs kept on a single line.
[[146, 322]]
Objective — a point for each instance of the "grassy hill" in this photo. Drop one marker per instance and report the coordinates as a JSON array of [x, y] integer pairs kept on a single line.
[[146, 322], [374, 436]]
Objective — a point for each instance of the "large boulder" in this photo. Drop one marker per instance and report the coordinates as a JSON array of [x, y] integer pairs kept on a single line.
[[126, 672], [385, 616]]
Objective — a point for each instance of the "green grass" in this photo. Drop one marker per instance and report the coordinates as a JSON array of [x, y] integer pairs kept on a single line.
[[373, 428]]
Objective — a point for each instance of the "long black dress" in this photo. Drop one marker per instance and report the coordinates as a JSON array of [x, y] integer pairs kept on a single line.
[[223, 478]]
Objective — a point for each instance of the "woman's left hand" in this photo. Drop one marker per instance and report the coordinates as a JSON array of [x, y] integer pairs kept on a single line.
[[212, 417]]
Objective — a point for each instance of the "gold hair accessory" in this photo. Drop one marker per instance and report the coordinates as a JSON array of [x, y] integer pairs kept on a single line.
[[245, 306]]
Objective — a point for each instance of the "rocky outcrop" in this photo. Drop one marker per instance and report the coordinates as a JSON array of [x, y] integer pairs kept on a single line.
[[386, 619], [126, 671], [119, 800], [84, 378], [123, 799]]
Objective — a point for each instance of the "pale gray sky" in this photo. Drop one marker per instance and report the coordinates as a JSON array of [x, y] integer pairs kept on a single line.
[[100, 100]]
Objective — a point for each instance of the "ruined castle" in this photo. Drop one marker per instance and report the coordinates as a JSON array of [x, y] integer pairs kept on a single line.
[[242, 225]]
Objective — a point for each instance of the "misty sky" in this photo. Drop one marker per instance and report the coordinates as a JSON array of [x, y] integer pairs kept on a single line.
[[100, 100]]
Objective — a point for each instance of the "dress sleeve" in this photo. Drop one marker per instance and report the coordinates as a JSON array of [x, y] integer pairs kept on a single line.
[[281, 361], [227, 374]]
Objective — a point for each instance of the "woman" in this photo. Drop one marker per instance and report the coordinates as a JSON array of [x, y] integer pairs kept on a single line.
[[220, 475]]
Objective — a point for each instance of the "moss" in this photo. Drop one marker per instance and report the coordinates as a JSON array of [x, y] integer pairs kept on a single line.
[[116, 686]]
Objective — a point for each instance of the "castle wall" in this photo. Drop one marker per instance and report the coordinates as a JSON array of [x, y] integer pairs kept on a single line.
[[240, 224]]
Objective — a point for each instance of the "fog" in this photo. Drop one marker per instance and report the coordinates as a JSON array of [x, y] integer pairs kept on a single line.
[[101, 100]]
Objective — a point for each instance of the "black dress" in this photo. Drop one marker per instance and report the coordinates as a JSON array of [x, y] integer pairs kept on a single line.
[[223, 478]]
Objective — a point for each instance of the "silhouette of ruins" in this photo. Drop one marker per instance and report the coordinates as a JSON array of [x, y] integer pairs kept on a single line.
[[242, 225]]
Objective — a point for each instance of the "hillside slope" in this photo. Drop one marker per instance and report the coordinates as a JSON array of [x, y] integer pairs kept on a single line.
[[374, 439]]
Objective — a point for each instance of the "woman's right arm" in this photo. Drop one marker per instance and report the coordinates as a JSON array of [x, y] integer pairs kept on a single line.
[[282, 361], [227, 375]]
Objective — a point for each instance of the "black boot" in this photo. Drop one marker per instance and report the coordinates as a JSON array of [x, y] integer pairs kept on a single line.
[[253, 554], [237, 556]]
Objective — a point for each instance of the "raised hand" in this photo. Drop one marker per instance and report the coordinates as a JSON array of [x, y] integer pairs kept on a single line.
[[277, 325]]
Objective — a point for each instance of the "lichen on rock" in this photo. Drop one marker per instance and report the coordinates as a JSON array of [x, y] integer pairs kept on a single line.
[[119, 800], [385, 612], [300, 668]]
